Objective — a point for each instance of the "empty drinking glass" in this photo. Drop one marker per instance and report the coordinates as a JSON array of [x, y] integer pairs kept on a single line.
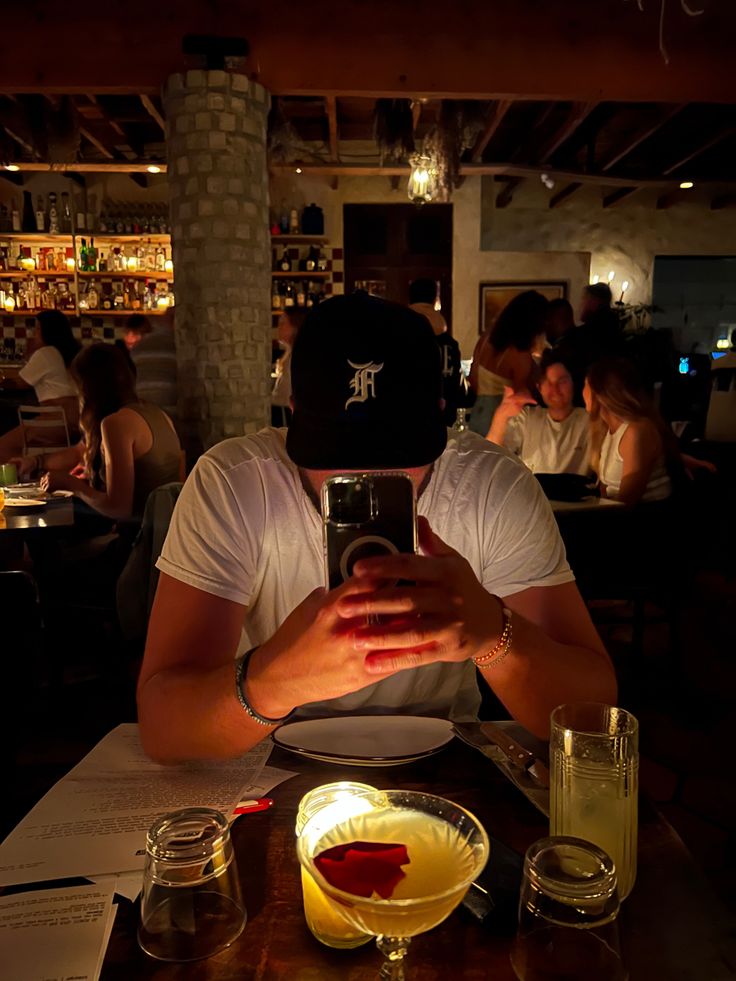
[[191, 905], [567, 914]]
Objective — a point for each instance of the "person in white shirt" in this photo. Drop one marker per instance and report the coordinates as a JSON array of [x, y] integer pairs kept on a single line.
[[553, 438], [242, 566], [47, 372]]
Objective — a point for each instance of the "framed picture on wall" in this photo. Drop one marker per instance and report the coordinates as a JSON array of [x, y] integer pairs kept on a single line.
[[495, 296]]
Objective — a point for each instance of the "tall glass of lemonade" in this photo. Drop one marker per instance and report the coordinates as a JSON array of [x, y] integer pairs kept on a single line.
[[594, 781]]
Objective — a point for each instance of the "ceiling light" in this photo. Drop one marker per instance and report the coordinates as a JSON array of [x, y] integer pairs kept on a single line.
[[12, 167], [298, 170], [153, 169], [686, 185], [611, 276]]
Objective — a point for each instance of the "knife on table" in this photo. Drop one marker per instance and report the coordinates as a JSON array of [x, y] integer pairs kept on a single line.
[[532, 780], [515, 753]]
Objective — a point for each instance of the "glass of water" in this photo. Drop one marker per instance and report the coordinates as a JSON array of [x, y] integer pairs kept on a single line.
[[567, 914], [191, 905], [594, 781]]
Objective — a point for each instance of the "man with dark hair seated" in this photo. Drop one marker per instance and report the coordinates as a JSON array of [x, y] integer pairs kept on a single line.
[[549, 439]]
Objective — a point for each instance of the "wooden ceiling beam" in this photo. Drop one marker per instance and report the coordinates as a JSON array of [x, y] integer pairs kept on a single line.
[[575, 119], [153, 111], [99, 113], [563, 194], [496, 117], [505, 197], [98, 144], [641, 137], [707, 145], [86, 167], [331, 110], [615, 197]]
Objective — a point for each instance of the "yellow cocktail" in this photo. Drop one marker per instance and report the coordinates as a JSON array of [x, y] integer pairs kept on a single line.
[[447, 848]]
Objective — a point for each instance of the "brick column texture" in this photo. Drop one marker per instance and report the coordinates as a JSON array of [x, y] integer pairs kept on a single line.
[[218, 185]]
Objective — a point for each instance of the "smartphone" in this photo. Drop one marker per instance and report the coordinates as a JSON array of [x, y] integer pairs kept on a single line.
[[363, 515]]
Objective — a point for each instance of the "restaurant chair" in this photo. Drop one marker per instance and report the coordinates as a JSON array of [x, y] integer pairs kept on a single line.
[[136, 587], [44, 429]]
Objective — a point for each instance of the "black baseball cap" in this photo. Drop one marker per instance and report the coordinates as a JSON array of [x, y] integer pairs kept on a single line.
[[367, 383]]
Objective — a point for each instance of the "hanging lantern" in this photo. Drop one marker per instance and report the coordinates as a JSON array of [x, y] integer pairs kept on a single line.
[[422, 179]]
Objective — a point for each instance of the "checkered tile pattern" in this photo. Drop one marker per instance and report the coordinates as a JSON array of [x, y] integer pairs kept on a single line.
[[18, 328]]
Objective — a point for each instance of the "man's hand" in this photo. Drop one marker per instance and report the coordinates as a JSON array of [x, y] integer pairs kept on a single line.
[[446, 616], [513, 403]]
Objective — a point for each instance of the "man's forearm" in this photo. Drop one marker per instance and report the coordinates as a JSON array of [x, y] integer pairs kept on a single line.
[[540, 674], [498, 428], [190, 713]]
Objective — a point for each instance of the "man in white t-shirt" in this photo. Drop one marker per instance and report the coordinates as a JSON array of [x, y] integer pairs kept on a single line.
[[242, 568], [553, 438]]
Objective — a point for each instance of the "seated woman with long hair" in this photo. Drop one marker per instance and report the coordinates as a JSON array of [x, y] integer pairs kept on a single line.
[[504, 356], [47, 373], [129, 447], [631, 447]]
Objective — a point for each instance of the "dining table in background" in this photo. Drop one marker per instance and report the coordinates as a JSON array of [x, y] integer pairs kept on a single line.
[[672, 928], [18, 525]]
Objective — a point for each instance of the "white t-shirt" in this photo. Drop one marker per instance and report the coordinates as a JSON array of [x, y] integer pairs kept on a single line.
[[547, 446], [245, 529], [47, 373]]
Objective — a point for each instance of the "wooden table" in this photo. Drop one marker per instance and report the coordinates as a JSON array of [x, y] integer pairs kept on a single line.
[[669, 928], [18, 525]]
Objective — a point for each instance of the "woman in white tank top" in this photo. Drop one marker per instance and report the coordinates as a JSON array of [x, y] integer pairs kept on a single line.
[[629, 439]]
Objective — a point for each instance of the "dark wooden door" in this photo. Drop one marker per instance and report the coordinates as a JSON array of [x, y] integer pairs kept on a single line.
[[389, 245]]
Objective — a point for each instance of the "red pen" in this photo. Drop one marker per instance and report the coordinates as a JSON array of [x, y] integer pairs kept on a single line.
[[252, 806]]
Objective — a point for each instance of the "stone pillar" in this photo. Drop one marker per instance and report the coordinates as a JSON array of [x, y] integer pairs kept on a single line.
[[218, 186]]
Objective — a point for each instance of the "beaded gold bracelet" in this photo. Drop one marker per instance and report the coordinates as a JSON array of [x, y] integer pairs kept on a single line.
[[501, 648]]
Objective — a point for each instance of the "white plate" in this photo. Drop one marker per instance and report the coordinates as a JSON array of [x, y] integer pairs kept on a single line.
[[365, 740], [23, 502], [24, 490], [62, 494]]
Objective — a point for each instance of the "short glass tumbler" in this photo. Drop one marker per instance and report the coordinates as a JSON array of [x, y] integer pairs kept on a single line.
[[594, 781], [191, 905], [567, 914]]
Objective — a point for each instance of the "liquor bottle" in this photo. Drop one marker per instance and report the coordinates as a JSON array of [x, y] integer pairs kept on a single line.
[[284, 219], [150, 261], [15, 220], [28, 218], [53, 215], [3, 260], [107, 298], [66, 213], [293, 222], [19, 258], [285, 262], [40, 214], [301, 297], [289, 297], [276, 295], [91, 256], [83, 267], [161, 258], [118, 299], [311, 263], [93, 297], [311, 297], [80, 214], [119, 222], [102, 263], [321, 261]]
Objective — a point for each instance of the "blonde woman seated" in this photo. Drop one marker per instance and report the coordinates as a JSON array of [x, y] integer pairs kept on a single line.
[[631, 447], [553, 438], [129, 447]]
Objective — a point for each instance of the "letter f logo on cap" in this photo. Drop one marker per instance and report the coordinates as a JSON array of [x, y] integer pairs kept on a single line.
[[363, 385]]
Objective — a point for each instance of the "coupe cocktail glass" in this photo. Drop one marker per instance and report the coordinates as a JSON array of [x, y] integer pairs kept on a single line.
[[447, 848]]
